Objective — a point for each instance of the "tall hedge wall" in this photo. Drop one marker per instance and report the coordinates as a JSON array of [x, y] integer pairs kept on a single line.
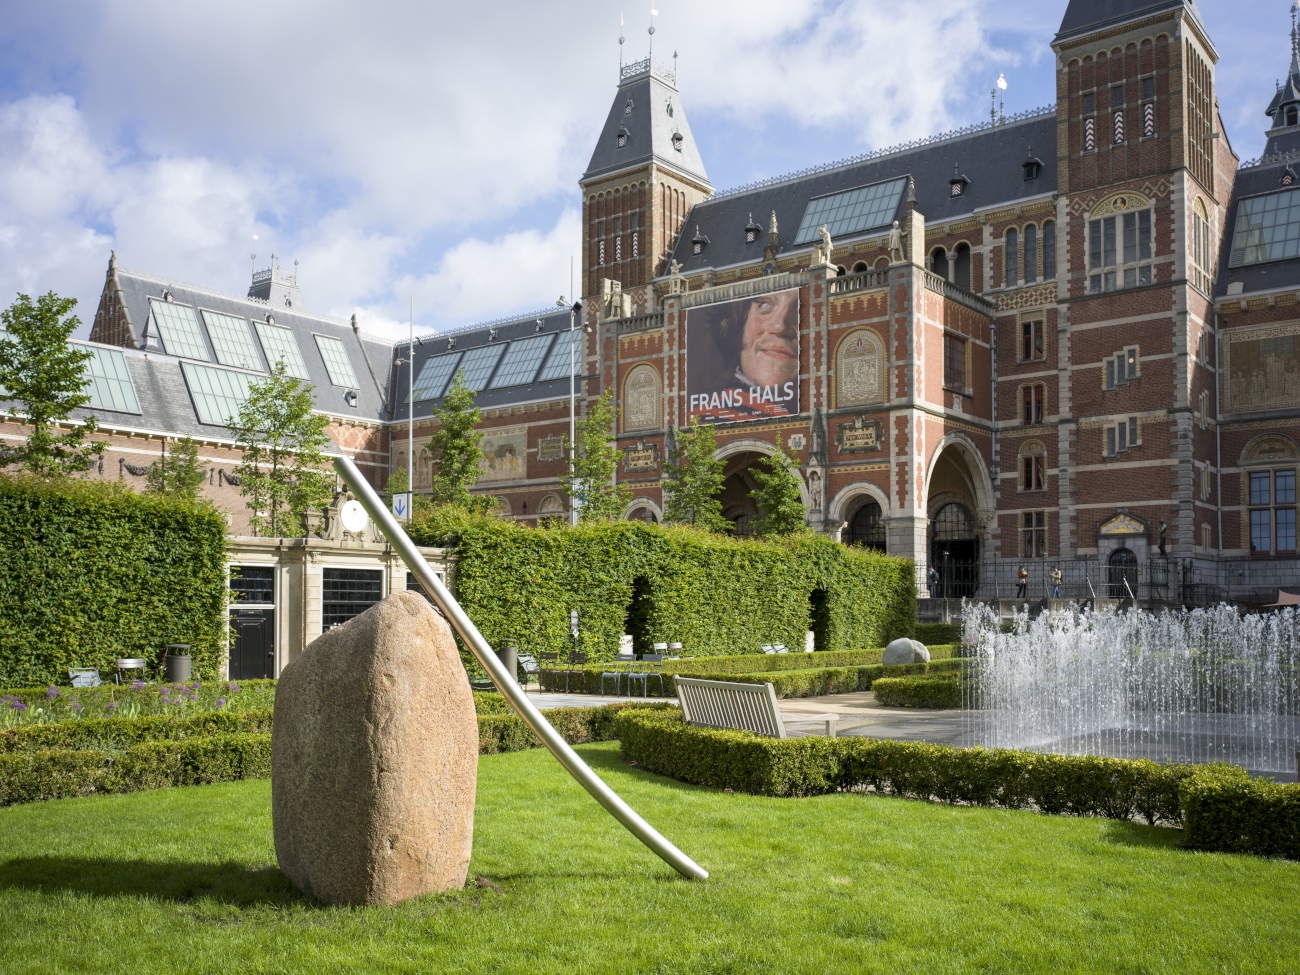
[[90, 572], [716, 595]]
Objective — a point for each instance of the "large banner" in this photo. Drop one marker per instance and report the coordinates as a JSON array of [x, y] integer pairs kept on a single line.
[[742, 358]]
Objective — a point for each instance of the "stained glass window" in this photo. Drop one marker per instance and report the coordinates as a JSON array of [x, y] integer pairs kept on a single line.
[[852, 211]]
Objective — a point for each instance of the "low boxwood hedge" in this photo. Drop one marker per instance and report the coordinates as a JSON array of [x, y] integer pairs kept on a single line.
[[36, 772], [40, 704], [662, 742], [943, 691], [929, 633], [786, 680], [1225, 809]]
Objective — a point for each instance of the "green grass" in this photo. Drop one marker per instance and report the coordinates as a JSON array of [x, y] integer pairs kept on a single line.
[[184, 880]]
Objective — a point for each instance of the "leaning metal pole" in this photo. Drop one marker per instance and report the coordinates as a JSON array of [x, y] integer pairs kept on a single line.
[[505, 681]]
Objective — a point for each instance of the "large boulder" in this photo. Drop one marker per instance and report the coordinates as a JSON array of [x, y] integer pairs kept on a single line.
[[374, 759], [905, 651]]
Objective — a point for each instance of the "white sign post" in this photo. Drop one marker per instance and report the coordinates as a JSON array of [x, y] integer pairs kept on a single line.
[[402, 506]]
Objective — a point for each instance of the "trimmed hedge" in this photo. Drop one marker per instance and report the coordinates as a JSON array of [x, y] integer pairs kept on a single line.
[[1225, 809], [128, 700], [90, 572], [1077, 785], [39, 773], [118, 734], [929, 633], [812, 682], [918, 692], [718, 595]]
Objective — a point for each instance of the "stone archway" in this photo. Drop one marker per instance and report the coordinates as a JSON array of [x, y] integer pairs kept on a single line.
[[738, 483], [959, 502]]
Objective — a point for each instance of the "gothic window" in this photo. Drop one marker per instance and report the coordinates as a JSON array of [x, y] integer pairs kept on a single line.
[[1202, 252], [939, 262], [859, 369], [1031, 254], [1049, 249], [1148, 107], [641, 399], [1033, 466], [635, 232], [1120, 244], [1089, 107], [961, 266], [1117, 113], [1011, 256]]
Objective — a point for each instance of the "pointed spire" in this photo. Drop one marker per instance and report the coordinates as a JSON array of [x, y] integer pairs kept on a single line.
[[1295, 41]]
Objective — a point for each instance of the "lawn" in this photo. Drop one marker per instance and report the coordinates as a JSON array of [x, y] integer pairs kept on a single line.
[[184, 880]]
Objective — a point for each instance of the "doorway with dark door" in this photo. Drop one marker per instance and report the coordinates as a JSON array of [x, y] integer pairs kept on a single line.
[[252, 622]]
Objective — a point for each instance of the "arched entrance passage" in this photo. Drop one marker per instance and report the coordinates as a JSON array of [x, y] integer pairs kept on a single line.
[[958, 489], [1122, 574], [866, 525], [738, 485]]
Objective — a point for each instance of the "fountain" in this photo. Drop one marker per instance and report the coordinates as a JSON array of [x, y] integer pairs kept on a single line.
[[1206, 685]]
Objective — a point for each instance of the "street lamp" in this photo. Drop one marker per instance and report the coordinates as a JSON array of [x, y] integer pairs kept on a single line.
[[574, 311]]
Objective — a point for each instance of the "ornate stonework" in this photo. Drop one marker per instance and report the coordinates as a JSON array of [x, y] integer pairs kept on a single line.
[[1263, 368], [550, 448], [1268, 450], [503, 456], [641, 399], [859, 369], [1043, 294], [859, 435]]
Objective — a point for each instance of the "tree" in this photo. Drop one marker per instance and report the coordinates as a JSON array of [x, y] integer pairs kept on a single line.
[[177, 473], [281, 475], [594, 490], [42, 371], [456, 451], [780, 507], [694, 478]]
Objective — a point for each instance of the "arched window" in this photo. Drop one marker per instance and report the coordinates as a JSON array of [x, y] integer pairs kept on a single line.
[[939, 262], [840, 271], [1031, 254], [860, 267], [882, 263], [860, 369], [961, 266], [1033, 466], [1202, 255], [1049, 249], [1011, 255], [1120, 243], [867, 527]]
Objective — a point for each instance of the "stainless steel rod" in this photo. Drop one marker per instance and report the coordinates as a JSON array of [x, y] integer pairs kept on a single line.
[[505, 681]]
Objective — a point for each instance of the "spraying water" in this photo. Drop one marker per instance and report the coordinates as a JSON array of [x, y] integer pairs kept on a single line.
[[1206, 685]]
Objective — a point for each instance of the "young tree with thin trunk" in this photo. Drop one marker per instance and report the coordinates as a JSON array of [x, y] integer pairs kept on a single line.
[[457, 452], [283, 473], [780, 506], [177, 473], [595, 491], [40, 370], [694, 477]]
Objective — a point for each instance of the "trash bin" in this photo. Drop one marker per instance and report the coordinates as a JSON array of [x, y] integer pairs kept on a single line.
[[179, 663], [508, 654]]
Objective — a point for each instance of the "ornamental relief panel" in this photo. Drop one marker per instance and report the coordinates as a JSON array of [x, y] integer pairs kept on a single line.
[[860, 369], [1044, 294], [641, 399], [1263, 368]]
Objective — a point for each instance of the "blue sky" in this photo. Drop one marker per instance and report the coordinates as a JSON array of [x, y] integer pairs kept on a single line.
[[420, 152]]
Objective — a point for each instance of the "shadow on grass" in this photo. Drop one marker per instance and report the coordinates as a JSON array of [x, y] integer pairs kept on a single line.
[[180, 882], [1139, 834]]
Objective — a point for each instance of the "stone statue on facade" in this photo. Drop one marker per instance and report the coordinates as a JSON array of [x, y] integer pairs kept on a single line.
[[896, 244], [823, 249]]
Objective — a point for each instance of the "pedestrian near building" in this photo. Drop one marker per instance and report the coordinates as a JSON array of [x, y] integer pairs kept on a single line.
[[1055, 576], [1022, 583]]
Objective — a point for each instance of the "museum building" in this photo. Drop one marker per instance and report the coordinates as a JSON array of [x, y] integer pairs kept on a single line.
[[1062, 338]]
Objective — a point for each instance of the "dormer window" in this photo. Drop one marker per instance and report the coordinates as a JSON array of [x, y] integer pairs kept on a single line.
[[627, 107], [1033, 167], [621, 139], [1292, 115], [752, 230], [678, 139], [1288, 177], [699, 241], [957, 185]]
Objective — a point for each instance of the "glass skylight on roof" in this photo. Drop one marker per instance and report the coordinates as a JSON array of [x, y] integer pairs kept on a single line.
[[521, 360], [1268, 229], [179, 329], [337, 363], [558, 364], [280, 345], [477, 365], [433, 376], [852, 211], [108, 381], [217, 393], [232, 341]]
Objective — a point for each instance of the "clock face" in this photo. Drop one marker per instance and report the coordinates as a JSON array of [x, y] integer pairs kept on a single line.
[[354, 516]]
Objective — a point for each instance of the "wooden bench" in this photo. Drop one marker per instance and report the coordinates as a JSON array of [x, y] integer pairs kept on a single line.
[[736, 707]]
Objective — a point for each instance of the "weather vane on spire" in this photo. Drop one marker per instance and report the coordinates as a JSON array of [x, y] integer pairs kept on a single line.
[[621, 39], [653, 14]]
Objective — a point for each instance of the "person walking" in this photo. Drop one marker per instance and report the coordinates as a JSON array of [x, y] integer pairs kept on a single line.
[[932, 581], [1055, 576], [1022, 583]]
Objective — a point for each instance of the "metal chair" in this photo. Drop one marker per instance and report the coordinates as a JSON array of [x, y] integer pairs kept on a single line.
[[548, 662], [576, 659], [649, 666], [130, 663], [621, 666], [526, 668], [84, 677]]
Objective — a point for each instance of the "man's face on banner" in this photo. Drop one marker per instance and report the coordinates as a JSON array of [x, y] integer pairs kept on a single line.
[[769, 349]]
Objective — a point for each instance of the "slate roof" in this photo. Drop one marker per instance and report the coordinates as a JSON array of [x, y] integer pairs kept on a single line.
[[648, 111], [1253, 181], [366, 355], [1085, 16], [991, 157]]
